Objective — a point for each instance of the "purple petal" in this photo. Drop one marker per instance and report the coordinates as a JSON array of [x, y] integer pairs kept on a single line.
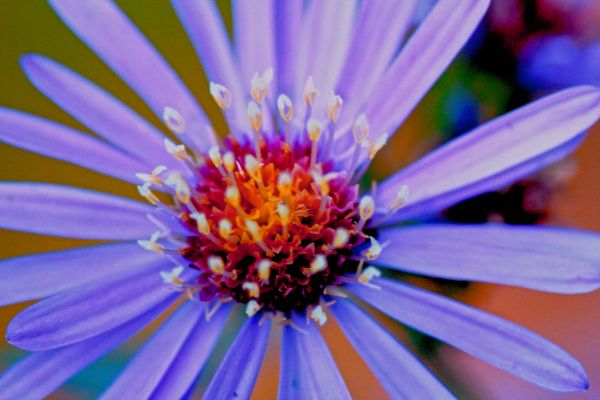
[[204, 26], [97, 109], [193, 356], [379, 32], [71, 212], [39, 374], [288, 26], [238, 371], [496, 153], [541, 258], [146, 370], [88, 310], [254, 37], [308, 370], [420, 63], [114, 38], [41, 275], [51, 139], [387, 358], [487, 337]]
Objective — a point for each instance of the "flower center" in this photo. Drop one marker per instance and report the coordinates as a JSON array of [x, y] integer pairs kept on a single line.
[[276, 232]]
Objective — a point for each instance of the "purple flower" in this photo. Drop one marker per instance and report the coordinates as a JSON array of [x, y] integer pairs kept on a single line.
[[271, 217]]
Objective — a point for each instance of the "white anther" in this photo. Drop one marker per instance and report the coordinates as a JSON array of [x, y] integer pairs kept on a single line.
[[260, 85], [286, 109], [215, 156], [182, 190], [152, 244], [254, 230], [374, 251], [264, 269], [314, 128], [172, 277], [401, 198], [310, 92], [201, 222], [318, 315], [251, 288], [341, 238], [368, 274], [252, 308], [232, 195], [366, 207], [252, 164], [284, 180], [360, 130], [174, 120], [377, 145], [255, 116], [284, 213], [229, 161], [322, 181], [225, 228], [318, 264], [145, 191], [176, 150], [334, 107], [216, 265], [153, 177], [221, 94]]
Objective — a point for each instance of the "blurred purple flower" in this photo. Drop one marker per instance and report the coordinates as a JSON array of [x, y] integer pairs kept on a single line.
[[95, 298]]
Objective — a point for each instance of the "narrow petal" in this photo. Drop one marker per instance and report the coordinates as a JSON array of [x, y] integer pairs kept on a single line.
[[387, 358], [88, 310], [54, 140], [288, 26], [496, 153], [114, 38], [541, 258], [71, 212], [39, 374], [41, 275], [238, 371], [487, 337], [384, 24], [97, 109], [146, 370], [420, 63], [204, 26], [308, 370], [254, 37], [192, 357]]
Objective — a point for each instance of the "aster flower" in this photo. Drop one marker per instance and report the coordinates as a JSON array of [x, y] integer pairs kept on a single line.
[[271, 217]]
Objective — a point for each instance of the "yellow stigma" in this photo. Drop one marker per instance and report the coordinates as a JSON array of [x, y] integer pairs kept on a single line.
[[225, 228], [284, 213], [374, 251], [216, 265], [286, 109], [229, 161], [215, 156], [334, 108], [202, 222], [314, 128], [221, 94], [173, 120], [341, 238], [251, 288], [252, 165], [255, 116], [264, 269], [310, 92], [232, 195], [254, 230], [318, 264], [360, 129], [366, 207]]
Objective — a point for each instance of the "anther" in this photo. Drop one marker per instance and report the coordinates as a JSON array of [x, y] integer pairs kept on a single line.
[[401, 198], [153, 177], [203, 226], [214, 153], [145, 191], [318, 315], [176, 150], [374, 251], [341, 238], [334, 109], [182, 190], [368, 274], [256, 235], [255, 117], [232, 196], [360, 131], [252, 308], [216, 265], [172, 277], [229, 163], [314, 128], [284, 216], [173, 120], [318, 264], [252, 289], [221, 94], [260, 84], [264, 269], [366, 209], [310, 92], [225, 228], [377, 145], [152, 244], [253, 168], [286, 110]]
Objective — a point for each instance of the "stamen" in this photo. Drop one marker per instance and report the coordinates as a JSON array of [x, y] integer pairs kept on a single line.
[[153, 177], [318, 315], [253, 169], [182, 190], [314, 128], [145, 191], [204, 226], [360, 131], [152, 244], [252, 308], [284, 215], [377, 145], [215, 156], [374, 251], [172, 277], [229, 162], [225, 228], [216, 265], [334, 109], [251, 288], [310, 92], [255, 117], [286, 110], [256, 235], [176, 150], [264, 270], [260, 85], [366, 209], [401, 198], [368, 274], [174, 120], [341, 238], [318, 264], [221, 94], [232, 195]]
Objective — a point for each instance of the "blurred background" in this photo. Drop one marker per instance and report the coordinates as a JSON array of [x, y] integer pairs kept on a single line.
[[522, 50]]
